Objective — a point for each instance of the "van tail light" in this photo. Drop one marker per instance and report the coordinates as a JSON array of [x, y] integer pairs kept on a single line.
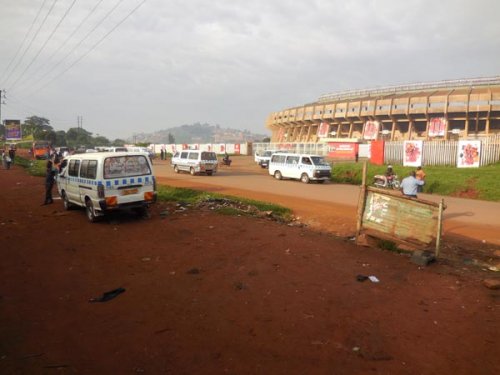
[[149, 195], [154, 183], [100, 191], [111, 201]]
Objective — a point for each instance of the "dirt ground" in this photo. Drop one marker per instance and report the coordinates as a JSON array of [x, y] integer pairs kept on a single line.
[[212, 294]]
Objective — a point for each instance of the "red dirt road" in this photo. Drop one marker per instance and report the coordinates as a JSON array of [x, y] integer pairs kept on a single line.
[[211, 294]]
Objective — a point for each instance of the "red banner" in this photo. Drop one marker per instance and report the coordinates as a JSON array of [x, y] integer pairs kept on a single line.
[[323, 130], [370, 130], [437, 127]]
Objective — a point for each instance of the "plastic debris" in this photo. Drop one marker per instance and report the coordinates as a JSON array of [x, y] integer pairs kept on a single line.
[[108, 295]]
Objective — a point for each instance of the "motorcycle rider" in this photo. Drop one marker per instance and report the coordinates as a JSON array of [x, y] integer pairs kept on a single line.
[[226, 159], [389, 174]]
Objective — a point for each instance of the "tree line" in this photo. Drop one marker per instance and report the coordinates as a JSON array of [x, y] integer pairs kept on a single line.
[[39, 128]]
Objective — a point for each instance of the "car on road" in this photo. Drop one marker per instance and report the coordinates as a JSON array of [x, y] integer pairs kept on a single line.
[[262, 157]]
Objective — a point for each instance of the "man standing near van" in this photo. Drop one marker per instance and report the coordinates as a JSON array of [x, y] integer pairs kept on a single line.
[[50, 174]]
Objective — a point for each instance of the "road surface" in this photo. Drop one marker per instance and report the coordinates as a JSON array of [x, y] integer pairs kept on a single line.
[[330, 207]]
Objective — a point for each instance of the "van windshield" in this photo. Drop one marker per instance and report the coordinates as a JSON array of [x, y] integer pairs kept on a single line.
[[319, 160], [208, 156], [126, 166]]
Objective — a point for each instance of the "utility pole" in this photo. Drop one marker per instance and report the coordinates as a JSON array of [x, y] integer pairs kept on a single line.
[[2, 97]]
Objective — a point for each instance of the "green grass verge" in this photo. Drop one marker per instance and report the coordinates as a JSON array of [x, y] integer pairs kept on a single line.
[[34, 167], [482, 183], [174, 194]]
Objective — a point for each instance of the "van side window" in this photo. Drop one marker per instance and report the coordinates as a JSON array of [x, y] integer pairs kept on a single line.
[[184, 155], [193, 156], [292, 160], [306, 160], [278, 158], [74, 166], [88, 169], [206, 155]]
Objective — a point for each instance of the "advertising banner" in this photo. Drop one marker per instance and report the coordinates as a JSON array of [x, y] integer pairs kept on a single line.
[[13, 130], [342, 150], [413, 153], [323, 130], [437, 127], [281, 134], [370, 130], [469, 154]]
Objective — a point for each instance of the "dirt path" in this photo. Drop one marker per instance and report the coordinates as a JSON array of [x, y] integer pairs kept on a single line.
[[212, 294]]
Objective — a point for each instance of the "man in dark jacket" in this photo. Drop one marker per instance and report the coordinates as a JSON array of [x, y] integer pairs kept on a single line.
[[50, 174]]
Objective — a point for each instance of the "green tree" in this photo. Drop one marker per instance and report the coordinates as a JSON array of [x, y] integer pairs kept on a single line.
[[118, 142], [37, 126], [78, 137], [171, 138], [101, 141], [60, 138]]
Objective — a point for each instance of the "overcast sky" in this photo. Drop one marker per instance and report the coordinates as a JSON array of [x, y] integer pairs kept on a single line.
[[128, 70]]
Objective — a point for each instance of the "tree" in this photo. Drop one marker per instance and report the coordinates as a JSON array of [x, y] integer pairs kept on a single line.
[[171, 139], [37, 126], [78, 137], [118, 142], [60, 138], [101, 141]]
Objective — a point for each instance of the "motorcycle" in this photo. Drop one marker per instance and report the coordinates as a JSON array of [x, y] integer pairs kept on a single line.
[[384, 182], [226, 161]]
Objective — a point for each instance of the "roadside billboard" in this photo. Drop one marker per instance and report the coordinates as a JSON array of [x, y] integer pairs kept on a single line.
[[342, 150], [370, 130], [13, 130], [323, 130]]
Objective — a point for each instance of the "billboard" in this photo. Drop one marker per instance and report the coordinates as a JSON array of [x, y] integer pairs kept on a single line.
[[469, 154], [370, 130], [13, 130], [437, 127], [413, 153], [342, 150]]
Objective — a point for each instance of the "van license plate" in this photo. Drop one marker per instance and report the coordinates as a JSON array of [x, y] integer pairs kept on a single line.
[[130, 191]]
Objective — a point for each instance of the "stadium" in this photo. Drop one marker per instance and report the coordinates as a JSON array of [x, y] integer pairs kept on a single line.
[[443, 110]]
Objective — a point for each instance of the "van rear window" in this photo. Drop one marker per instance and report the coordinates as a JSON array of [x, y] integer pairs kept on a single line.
[[208, 155], [126, 166]]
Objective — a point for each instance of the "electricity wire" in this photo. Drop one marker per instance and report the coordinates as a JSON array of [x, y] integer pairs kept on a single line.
[[44, 44], [92, 48], [63, 44], [32, 39], [25, 37]]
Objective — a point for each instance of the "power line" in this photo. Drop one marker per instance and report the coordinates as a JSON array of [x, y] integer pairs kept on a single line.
[[92, 11], [76, 46], [32, 39], [45, 43], [92, 48], [25, 37]]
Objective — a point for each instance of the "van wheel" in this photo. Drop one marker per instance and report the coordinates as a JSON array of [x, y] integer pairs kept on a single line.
[[191, 170], [89, 210], [209, 173], [67, 205], [277, 175], [176, 169], [304, 178]]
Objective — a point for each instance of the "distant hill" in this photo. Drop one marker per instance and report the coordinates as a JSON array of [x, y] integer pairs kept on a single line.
[[199, 133]]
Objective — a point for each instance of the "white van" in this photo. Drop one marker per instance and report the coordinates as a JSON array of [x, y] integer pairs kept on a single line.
[[303, 167], [107, 181], [195, 161]]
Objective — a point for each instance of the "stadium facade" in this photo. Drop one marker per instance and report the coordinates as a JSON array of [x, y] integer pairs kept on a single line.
[[444, 110]]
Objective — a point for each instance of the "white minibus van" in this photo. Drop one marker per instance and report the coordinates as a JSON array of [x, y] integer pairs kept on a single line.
[[303, 167], [195, 161], [107, 181]]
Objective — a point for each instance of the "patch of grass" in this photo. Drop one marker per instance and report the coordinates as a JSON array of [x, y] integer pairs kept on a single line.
[[175, 194], [482, 182], [34, 167]]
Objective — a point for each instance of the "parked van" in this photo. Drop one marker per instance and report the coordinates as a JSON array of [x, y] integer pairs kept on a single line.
[[195, 161], [303, 167], [107, 181], [263, 157]]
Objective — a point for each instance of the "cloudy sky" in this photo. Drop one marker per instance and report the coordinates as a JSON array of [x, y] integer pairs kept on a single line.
[[131, 66]]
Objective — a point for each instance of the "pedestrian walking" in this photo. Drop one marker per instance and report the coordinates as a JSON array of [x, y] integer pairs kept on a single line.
[[6, 160], [409, 185], [162, 154]]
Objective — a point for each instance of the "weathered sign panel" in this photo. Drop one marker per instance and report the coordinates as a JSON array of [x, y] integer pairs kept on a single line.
[[400, 218]]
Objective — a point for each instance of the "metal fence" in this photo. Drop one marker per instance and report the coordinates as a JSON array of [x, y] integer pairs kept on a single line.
[[299, 148], [444, 152]]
